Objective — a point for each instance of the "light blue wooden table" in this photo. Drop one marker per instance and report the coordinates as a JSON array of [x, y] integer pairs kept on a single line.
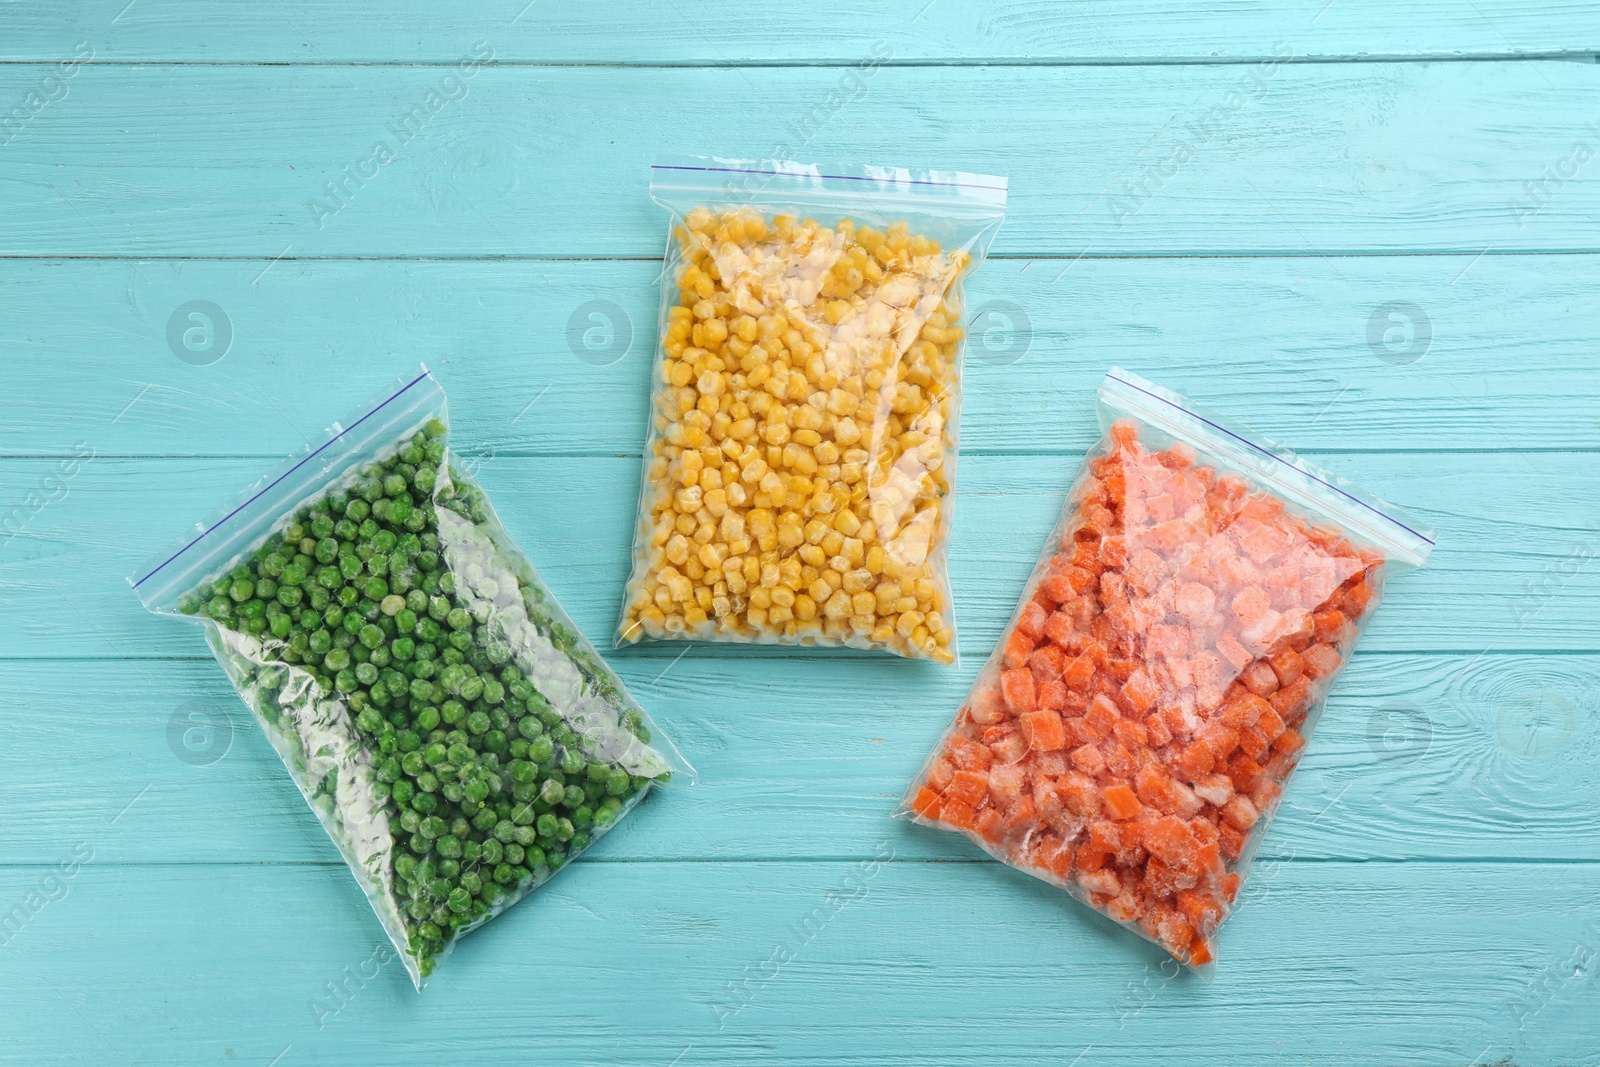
[[1369, 228]]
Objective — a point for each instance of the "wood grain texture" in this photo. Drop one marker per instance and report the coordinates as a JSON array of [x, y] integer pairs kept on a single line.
[[1428, 893], [719, 32], [1307, 158], [1284, 345], [1514, 569], [1421, 757], [897, 963]]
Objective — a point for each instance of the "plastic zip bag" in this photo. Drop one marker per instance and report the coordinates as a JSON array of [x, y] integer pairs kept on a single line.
[[800, 461], [1129, 739], [456, 735]]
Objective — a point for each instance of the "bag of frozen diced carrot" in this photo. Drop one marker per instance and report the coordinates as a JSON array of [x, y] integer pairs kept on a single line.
[[1131, 735]]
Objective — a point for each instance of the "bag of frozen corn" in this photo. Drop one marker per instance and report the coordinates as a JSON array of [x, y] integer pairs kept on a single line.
[[800, 460]]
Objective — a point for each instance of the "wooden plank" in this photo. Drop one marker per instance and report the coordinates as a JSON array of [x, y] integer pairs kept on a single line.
[[717, 32], [1300, 158], [1303, 349], [1513, 570], [1419, 757], [805, 964]]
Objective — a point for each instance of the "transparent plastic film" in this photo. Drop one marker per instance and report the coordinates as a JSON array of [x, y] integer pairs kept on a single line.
[[800, 461], [1131, 737], [457, 737]]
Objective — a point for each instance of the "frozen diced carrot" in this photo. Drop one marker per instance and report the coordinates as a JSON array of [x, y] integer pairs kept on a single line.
[[1200, 952], [1053, 855], [1196, 603], [1232, 843], [1214, 788], [1017, 687], [1175, 933], [1098, 521], [958, 814], [1195, 761], [1043, 730], [1162, 880], [1222, 739], [1056, 588], [1020, 812], [1292, 700], [1322, 660], [1156, 727], [1244, 772], [1240, 813], [1154, 788], [1078, 671], [1079, 793], [1159, 507], [1120, 801], [1260, 678], [1124, 907], [1295, 630], [1253, 743], [1006, 743], [1169, 839], [1270, 723], [927, 803], [1144, 571], [1329, 625], [1131, 734], [940, 772], [1289, 742], [1045, 663], [967, 787], [1005, 782], [1100, 881], [1102, 716], [1113, 551], [1052, 695], [1090, 859], [1140, 691], [1120, 760], [1104, 835], [1088, 759], [1018, 646], [988, 825], [1249, 605], [968, 755], [1245, 711], [1202, 910], [1031, 622], [1265, 794], [1125, 436], [986, 704], [1059, 627], [1232, 651]]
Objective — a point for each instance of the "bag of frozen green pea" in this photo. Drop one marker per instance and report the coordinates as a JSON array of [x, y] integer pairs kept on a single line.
[[457, 736]]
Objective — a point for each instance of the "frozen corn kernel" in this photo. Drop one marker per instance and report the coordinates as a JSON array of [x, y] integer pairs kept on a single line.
[[801, 453]]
